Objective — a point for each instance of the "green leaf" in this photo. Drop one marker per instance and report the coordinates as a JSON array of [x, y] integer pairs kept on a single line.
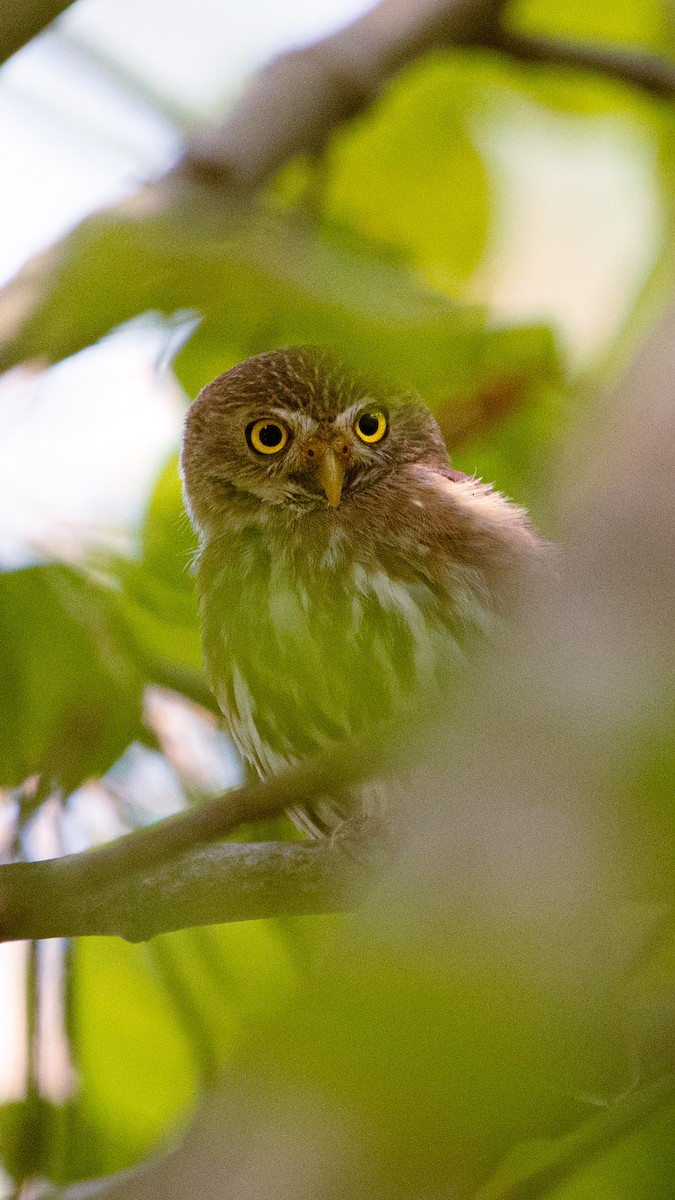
[[132, 1091], [70, 700], [260, 280], [159, 599], [624, 22], [410, 175], [153, 1023], [168, 543]]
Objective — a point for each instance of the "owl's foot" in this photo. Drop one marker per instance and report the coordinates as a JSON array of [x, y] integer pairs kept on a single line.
[[366, 839]]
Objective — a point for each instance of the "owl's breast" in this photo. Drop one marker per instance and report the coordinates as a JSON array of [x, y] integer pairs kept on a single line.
[[301, 654]]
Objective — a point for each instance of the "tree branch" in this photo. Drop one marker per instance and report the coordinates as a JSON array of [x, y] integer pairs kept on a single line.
[[649, 72], [230, 881], [297, 101], [69, 896]]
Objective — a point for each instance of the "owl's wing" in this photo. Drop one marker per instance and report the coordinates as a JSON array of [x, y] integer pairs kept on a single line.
[[470, 525]]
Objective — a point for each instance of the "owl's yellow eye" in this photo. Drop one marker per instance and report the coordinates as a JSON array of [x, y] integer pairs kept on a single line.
[[266, 437], [371, 426]]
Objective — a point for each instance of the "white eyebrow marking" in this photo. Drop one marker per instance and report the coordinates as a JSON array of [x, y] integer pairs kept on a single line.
[[300, 423], [349, 415]]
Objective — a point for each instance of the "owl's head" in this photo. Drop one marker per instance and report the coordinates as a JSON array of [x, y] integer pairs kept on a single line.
[[296, 428]]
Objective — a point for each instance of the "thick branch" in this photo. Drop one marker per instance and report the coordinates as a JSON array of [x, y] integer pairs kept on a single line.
[[226, 882], [297, 101]]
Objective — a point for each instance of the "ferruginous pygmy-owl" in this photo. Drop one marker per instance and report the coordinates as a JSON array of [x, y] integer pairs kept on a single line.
[[342, 561]]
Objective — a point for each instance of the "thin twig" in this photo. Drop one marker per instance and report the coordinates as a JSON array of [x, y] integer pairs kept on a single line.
[[637, 68]]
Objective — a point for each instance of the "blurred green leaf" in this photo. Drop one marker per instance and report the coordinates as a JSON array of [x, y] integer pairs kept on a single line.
[[153, 1023], [70, 700], [433, 1048], [636, 1163], [138, 1076], [260, 280], [168, 543], [160, 604], [619, 21], [409, 175], [33, 1137], [263, 278]]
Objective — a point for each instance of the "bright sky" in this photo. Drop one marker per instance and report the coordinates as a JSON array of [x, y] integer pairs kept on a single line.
[[94, 131]]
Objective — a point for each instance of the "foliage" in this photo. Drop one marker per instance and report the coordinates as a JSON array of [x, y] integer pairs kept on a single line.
[[425, 1043]]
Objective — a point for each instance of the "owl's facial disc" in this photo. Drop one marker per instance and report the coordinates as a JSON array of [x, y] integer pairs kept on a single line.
[[325, 454], [323, 457]]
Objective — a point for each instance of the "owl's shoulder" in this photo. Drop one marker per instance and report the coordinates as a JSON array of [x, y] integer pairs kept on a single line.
[[464, 508], [478, 541], [448, 472]]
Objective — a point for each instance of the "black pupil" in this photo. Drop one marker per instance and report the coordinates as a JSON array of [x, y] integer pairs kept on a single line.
[[369, 424], [270, 435]]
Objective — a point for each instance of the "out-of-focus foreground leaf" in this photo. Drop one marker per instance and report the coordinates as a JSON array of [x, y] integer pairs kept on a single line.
[[260, 280], [160, 605], [643, 25], [155, 1024]]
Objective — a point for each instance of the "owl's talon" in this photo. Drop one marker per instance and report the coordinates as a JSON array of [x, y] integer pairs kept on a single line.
[[366, 839]]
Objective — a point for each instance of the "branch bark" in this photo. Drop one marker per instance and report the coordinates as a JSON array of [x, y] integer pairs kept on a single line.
[[160, 878], [648, 72], [226, 882], [297, 101]]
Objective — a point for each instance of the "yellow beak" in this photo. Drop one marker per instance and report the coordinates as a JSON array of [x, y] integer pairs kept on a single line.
[[331, 472]]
